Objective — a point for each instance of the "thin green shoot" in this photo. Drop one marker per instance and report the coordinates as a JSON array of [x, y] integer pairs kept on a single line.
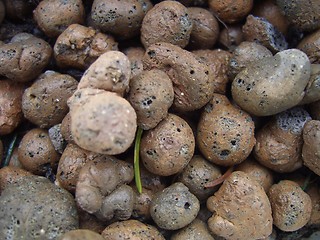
[[10, 150], [136, 160]]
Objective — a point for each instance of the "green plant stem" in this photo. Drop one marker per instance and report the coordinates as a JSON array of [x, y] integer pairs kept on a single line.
[[136, 160], [10, 150]]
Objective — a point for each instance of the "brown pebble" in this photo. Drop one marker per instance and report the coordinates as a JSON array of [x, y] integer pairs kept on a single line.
[[191, 77], [131, 229], [81, 234], [231, 36], [24, 57], [244, 54], [258, 172], [310, 149], [269, 10], [231, 11], [225, 134], [166, 149], [151, 95], [205, 30], [51, 22], [10, 175], [105, 123], [44, 103], [310, 45], [72, 160], [10, 105], [167, 21], [36, 152], [240, 209], [79, 46], [122, 19], [279, 142], [304, 15], [259, 30], [291, 206], [218, 61]]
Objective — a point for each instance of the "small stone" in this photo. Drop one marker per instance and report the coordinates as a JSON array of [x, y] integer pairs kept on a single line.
[[175, 207]]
